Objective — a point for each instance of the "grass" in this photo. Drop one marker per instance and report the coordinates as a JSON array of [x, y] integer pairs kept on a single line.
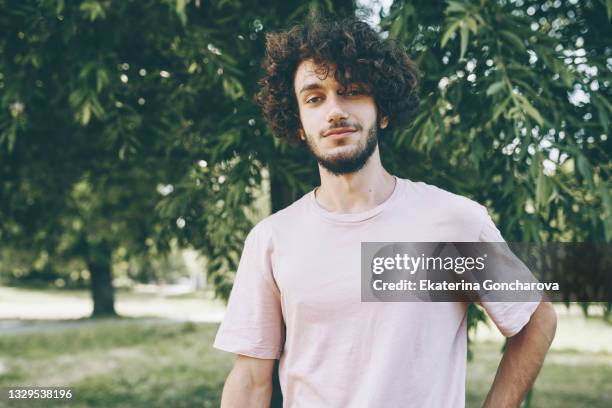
[[145, 363], [133, 364], [568, 379]]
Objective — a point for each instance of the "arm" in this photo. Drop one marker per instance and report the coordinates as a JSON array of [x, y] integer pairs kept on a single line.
[[249, 384], [523, 359]]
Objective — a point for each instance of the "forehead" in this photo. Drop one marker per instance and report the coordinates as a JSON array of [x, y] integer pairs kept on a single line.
[[306, 73]]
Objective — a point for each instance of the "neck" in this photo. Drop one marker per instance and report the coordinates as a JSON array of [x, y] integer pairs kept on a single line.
[[355, 192]]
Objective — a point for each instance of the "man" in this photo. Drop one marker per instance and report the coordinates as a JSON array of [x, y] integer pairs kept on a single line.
[[334, 86]]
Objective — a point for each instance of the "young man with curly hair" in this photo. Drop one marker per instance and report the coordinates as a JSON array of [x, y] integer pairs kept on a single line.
[[335, 86]]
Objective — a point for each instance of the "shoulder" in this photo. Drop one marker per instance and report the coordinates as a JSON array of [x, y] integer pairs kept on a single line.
[[443, 203], [280, 220]]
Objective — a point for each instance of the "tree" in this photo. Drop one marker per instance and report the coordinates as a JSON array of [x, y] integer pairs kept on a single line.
[[515, 110], [78, 181], [89, 116], [108, 107]]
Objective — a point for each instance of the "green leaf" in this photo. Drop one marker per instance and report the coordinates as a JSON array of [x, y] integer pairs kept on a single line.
[[543, 191], [85, 114], [439, 121], [93, 10], [101, 79], [59, 7], [584, 168], [500, 108], [96, 107], [76, 97], [471, 23], [232, 88], [529, 109], [567, 77], [495, 88], [455, 7], [180, 11], [449, 31], [513, 38], [604, 119], [12, 137], [465, 36], [604, 109], [604, 191], [396, 28]]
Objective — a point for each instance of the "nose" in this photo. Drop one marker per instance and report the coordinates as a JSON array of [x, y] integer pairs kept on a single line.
[[336, 113]]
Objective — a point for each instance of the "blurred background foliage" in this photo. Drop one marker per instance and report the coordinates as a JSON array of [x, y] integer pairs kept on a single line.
[[128, 128]]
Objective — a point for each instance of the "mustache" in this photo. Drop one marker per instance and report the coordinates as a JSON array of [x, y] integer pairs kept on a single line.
[[343, 124]]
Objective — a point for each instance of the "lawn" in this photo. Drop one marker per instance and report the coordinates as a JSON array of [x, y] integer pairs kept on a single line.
[[568, 378], [159, 363], [131, 364]]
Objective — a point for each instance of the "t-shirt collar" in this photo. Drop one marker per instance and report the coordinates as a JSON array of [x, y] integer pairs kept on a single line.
[[354, 217]]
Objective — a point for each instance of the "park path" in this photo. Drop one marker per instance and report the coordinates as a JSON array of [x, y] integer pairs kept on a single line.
[[28, 311], [16, 327]]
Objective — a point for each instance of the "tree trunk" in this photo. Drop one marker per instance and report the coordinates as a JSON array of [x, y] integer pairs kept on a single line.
[[102, 292]]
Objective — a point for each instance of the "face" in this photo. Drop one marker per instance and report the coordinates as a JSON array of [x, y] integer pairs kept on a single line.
[[338, 126]]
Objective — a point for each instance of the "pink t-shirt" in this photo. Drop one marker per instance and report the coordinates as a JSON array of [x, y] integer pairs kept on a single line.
[[297, 298]]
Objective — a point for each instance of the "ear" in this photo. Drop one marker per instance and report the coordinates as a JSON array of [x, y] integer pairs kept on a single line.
[[301, 133], [384, 122]]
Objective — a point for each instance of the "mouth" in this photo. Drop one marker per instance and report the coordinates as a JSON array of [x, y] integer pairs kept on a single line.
[[338, 133]]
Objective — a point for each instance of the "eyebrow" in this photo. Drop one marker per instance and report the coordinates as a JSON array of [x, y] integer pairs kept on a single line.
[[316, 85], [310, 87]]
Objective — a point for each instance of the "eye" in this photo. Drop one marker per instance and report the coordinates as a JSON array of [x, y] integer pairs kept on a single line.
[[313, 99]]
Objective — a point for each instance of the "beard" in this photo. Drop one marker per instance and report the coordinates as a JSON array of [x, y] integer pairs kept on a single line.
[[350, 161]]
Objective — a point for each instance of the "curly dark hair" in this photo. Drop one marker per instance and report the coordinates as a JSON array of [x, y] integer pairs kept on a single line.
[[358, 53]]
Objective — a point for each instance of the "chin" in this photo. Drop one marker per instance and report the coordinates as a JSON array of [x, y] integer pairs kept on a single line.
[[343, 150]]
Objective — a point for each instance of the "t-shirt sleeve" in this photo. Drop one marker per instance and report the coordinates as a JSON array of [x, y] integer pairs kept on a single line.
[[509, 317], [253, 324]]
